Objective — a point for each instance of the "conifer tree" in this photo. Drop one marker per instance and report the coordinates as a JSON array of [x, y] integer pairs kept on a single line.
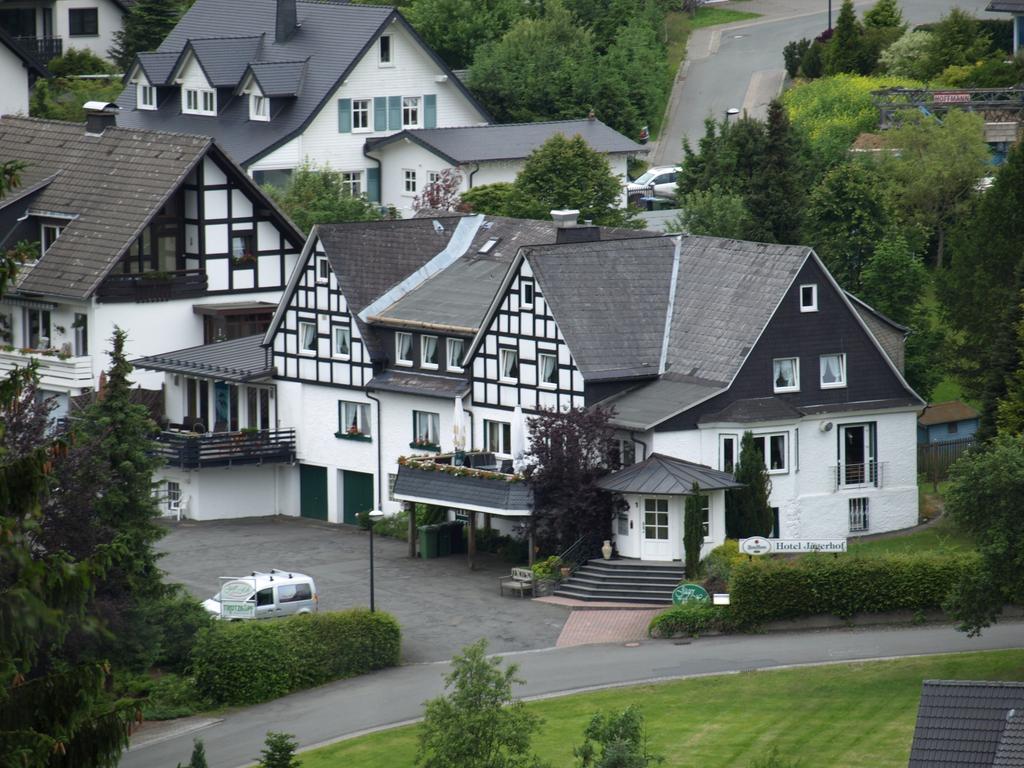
[[884, 14], [748, 512], [845, 51], [777, 190], [145, 26], [693, 531]]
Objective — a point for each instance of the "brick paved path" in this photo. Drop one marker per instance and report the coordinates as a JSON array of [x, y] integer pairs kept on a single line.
[[588, 627]]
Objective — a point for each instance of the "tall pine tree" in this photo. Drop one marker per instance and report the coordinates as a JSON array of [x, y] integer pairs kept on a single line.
[[747, 509], [693, 531], [777, 189], [145, 26]]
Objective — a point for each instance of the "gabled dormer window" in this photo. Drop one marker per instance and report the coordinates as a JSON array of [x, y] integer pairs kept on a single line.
[[145, 96], [428, 351], [198, 101], [385, 56], [403, 348], [49, 236], [259, 107]]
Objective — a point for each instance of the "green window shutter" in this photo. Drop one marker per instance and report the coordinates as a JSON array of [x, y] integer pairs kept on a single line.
[[344, 115], [373, 184], [380, 113], [430, 111], [394, 113]]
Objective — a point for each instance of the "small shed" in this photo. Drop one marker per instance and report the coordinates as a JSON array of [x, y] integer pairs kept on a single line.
[[942, 422]]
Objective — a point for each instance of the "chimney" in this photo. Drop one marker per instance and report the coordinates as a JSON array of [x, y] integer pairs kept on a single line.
[[565, 218], [99, 115], [287, 20], [569, 230]]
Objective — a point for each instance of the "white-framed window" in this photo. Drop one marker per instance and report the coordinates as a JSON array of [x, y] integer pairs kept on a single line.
[[360, 115], [426, 428], [547, 370], [728, 451], [809, 298], [428, 351], [773, 450], [259, 107], [627, 451], [509, 365], [198, 101], [37, 334], [498, 437], [705, 516], [172, 495], [243, 249], [385, 54], [410, 111], [409, 177], [526, 294], [341, 341], [307, 337], [50, 233], [403, 348], [456, 349], [858, 515], [353, 418], [433, 177], [353, 182], [323, 269], [786, 374], [145, 96], [833, 371], [656, 519]]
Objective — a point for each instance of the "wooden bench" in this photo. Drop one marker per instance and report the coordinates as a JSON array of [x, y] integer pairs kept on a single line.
[[520, 580]]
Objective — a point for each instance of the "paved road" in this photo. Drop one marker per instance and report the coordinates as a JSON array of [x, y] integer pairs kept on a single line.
[[740, 65], [396, 695]]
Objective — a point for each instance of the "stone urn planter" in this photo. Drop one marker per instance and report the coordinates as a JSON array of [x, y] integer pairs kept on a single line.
[[606, 549]]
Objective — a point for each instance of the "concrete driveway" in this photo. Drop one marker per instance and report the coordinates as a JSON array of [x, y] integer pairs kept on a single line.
[[441, 605]]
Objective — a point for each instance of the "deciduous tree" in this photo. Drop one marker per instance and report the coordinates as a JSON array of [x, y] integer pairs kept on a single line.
[[456, 28], [714, 213], [319, 195]]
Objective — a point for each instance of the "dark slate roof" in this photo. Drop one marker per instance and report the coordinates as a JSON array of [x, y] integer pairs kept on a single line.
[[961, 723], [32, 62], [609, 299], [1006, 6], [511, 141], [224, 59], [411, 383], [157, 66], [1010, 752], [472, 493], [332, 37], [238, 360], [660, 474], [459, 296], [280, 78], [643, 407], [112, 184], [860, 405], [754, 409]]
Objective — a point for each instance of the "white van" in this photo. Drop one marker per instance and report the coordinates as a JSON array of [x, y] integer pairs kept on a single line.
[[259, 595]]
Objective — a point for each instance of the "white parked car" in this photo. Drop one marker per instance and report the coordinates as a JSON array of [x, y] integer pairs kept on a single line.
[[259, 595], [654, 182]]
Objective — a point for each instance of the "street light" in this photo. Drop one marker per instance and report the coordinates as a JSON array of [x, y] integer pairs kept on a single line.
[[730, 113], [375, 517], [830, 14]]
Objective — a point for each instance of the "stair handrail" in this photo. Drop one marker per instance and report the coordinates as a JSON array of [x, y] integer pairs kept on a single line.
[[578, 553]]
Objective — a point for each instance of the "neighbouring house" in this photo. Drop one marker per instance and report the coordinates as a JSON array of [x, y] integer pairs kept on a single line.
[[408, 356], [1016, 8], [48, 28], [158, 233], [942, 422], [278, 83], [20, 67], [967, 723]]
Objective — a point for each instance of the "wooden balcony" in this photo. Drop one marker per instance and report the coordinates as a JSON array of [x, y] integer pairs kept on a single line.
[[153, 286], [56, 374], [43, 48], [186, 450]]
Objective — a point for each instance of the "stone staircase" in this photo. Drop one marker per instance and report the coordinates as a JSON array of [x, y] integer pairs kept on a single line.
[[623, 581]]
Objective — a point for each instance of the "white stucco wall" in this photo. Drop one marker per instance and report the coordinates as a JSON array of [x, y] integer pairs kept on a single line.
[[109, 21], [14, 93], [221, 493], [633, 544]]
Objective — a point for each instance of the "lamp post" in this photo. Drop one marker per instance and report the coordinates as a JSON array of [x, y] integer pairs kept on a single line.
[[730, 113], [375, 517], [830, 14]]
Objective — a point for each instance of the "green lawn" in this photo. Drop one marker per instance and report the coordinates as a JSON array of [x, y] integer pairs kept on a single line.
[[942, 537], [851, 715]]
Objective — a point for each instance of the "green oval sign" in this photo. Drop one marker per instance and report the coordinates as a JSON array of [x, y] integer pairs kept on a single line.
[[236, 590], [690, 593]]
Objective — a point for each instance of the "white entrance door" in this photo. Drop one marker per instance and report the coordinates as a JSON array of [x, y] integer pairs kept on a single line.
[[656, 543]]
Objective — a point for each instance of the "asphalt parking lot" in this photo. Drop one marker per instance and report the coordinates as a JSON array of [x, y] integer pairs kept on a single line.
[[441, 604]]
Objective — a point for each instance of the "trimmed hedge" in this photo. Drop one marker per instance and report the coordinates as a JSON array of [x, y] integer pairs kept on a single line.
[[691, 620], [769, 590], [246, 662]]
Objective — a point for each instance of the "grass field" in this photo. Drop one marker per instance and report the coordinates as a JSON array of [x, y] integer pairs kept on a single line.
[[942, 537], [850, 715]]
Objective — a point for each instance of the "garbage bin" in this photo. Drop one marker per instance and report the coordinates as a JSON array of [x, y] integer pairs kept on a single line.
[[428, 541], [444, 539], [458, 542]]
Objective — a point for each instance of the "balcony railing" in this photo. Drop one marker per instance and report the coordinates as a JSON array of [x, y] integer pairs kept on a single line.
[[185, 450], [44, 48], [56, 373], [153, 286], [867, 475]]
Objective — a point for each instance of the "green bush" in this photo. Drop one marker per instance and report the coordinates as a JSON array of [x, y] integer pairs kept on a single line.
[[163, 697], [252, 661], [691, 620], [181, 617], [396, 526], [548, 569], [722, 559], [768, 590]]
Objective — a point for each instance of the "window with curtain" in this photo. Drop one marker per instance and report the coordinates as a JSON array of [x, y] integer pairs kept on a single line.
[[403, 348], [510, 364], [786, 374], [547, 370], [498, 437], [342, 341], [426, 428], [428, 351], [456, 349], [307, 337], [833, 371], [773, 450], [353, 418]]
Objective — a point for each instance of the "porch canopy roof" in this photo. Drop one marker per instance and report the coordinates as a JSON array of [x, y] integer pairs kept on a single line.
[[238, 360], [493, 495], [665, 475]]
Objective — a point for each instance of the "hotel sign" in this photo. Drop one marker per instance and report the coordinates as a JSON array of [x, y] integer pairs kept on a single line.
[[758, 545]]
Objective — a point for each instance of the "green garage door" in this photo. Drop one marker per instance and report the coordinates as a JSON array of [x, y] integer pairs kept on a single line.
[[313, 491], [357, 495]]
